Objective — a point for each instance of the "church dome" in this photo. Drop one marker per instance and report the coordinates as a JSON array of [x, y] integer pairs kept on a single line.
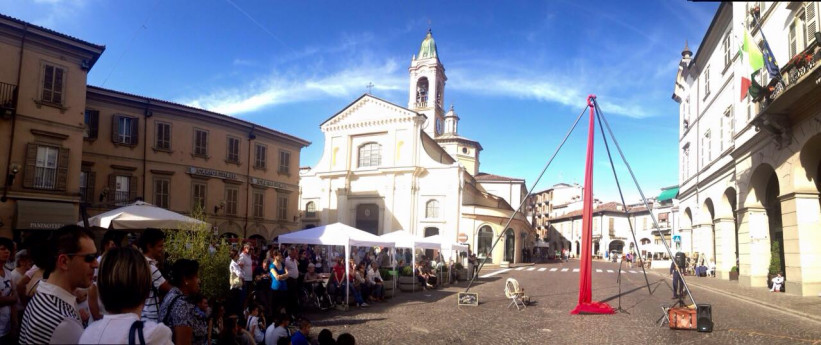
[[428, 48]]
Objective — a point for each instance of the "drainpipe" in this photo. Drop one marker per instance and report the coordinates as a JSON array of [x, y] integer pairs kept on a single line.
[[251, 136], [148, 114], [14, 116]]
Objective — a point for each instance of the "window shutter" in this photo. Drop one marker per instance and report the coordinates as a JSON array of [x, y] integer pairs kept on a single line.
[[57, 96], [90, 179], [112, 187], [132, 188], [62, 169], [115, 129], [812, 21], [135, 131], [31, 166], [93, 123]]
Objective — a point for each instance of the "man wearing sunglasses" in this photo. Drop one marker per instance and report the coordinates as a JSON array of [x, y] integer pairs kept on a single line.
[[69, 259]]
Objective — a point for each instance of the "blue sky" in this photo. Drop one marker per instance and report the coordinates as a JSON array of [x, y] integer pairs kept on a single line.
[[518, 72]]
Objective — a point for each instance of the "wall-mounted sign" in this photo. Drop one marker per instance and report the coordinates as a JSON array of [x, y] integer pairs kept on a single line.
[[272, 184], [212, 173]]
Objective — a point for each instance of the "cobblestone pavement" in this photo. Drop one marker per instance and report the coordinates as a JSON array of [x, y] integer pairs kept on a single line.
[[432, 317]]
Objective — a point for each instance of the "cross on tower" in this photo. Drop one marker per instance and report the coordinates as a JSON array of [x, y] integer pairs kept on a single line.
[[370, 87]]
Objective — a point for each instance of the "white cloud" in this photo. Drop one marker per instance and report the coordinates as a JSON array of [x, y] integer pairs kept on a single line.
[[278, 89]]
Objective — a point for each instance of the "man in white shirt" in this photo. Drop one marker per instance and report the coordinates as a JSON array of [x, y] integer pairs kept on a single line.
[[292, 265], [247, 266], [276, 331], [152, 243], [51, 315]]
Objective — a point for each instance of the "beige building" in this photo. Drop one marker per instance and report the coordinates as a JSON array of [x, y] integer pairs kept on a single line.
[[66, 144], [750, 167]]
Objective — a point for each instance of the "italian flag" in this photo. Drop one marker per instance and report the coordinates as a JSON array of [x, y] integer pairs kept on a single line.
[[751, 63]]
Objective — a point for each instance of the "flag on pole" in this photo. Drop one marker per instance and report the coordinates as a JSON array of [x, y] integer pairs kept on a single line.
[[752, 60]]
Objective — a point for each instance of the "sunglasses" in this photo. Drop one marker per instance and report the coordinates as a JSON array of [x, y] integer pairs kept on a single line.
[[86, 257]]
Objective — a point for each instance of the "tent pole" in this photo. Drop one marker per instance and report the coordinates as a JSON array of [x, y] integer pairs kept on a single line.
[[347, 275]]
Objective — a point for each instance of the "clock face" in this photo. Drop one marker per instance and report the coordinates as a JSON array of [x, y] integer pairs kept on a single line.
[[439, 126]]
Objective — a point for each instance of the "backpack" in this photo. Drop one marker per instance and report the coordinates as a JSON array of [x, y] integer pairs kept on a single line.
[[259, 336], [681, 260]]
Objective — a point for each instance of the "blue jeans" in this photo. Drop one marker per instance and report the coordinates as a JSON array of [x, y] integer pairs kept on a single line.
[[356, 295]]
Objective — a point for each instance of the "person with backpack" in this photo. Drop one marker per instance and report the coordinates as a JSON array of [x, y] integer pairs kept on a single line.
[[177, 311], [123, 283], [253, 325], [152, 243]]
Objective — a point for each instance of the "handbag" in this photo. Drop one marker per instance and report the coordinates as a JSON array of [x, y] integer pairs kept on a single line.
[[235, 281], [136, 329]]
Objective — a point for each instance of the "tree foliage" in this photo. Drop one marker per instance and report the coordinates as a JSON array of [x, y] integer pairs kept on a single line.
[[193, 242]]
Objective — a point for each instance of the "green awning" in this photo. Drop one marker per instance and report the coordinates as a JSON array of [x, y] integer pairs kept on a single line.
[[668, 194]]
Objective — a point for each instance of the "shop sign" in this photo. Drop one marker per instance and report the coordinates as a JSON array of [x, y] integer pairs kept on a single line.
[[212, 173], [268, 183]]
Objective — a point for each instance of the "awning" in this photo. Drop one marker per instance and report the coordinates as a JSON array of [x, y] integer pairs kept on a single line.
[[45, 215], [668, 194]]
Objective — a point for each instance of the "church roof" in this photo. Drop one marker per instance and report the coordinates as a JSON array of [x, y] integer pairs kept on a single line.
[[428, 48], [491, 177], [371, 96], [450, 138]]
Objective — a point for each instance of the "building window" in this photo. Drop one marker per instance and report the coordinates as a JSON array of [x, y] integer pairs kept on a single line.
[[259, 203], [53, 84], [706, 152], [706, 81], [124, 130], [162, 137], [310, 209], [91, 120], [282, 207], [161, 193], [46, 168], [233, 150], [198, 196], [727, 53], [432, 209], [122, 190], [231, 197], [260, 153], [729, 127], [484, 241], [370, 155], [284, 162], [200, 142], [87, 180]]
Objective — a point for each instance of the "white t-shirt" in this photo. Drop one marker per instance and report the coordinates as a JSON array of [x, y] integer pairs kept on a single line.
[[273, 333], [293, 268], [6, 289], [247, 266], [114, 328], [258, 334], [15, 278]]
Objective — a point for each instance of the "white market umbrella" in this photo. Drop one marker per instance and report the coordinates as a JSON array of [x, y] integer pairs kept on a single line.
[[142, 215]]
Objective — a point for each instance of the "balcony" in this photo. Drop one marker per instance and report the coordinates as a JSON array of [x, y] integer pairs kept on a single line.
[[781, 101], [8, 99]]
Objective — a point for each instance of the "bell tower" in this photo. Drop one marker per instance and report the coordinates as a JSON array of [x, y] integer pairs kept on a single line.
[[427, 86]]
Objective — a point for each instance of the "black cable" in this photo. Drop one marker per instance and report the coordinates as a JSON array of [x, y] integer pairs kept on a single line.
[[524, 200], [655, 223], [621, 195]]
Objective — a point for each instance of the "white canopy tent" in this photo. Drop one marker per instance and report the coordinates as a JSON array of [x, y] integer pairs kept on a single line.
[[142, 215], [336, 234], [404, 239]]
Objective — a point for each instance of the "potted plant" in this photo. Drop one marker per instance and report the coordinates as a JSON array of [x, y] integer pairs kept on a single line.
[[406, 279], [734, 273], [387, 280], [775, 263]]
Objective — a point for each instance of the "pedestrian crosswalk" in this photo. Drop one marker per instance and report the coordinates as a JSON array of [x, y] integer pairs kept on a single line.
[[554, 269]]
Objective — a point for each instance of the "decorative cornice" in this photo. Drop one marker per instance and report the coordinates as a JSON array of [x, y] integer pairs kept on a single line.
[[41, 133], [162, 172], [123, 167]]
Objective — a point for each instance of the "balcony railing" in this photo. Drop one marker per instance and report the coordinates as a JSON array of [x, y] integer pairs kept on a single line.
[[800, 65], [8, 96]]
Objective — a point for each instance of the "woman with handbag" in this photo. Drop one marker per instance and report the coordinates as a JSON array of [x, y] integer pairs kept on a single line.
[[235, 283], [124, 282]]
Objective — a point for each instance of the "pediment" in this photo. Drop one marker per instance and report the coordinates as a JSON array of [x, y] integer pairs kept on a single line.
[[368, 111]]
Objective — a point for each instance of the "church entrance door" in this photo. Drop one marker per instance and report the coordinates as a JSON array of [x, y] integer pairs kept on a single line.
[[367, 218]]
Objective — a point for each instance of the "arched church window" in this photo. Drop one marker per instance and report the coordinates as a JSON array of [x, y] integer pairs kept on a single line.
[[439, 95], [432, 209], [370, 155], [310, 209], [422, 90]]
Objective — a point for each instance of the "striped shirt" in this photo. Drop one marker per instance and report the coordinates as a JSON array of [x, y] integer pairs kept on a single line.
[[152, 303], [51, 317]]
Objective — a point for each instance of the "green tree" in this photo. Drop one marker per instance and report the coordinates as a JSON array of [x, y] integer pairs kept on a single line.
[[775, 257], [192, 241]]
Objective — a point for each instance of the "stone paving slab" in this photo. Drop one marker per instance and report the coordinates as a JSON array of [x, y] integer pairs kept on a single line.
[[809, 307]]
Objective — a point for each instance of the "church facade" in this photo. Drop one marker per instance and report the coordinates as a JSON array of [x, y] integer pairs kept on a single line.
[[386, 167]]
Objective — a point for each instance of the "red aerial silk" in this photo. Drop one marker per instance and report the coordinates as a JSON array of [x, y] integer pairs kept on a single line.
[[586, 305]]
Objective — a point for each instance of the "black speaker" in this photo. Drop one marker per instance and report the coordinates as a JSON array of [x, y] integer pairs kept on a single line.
[[704, 318]]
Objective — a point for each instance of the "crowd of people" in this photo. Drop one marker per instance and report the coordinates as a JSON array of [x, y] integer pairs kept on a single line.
[[62, 290]]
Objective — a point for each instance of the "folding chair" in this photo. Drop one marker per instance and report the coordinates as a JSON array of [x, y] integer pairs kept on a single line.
[[515, 293]]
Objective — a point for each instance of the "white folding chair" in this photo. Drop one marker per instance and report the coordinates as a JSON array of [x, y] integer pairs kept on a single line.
[[515, 293]]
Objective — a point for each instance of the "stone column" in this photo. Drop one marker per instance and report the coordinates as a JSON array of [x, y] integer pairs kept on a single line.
[[754, 246], [725, 247], [800, 216]]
